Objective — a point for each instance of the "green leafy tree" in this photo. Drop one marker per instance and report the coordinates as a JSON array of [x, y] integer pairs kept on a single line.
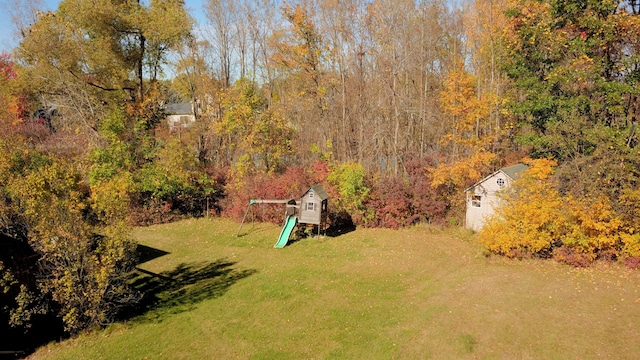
[[575, 69], [570, 62]]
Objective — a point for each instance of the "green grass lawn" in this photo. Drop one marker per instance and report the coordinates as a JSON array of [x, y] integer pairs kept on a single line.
[[369, 294]]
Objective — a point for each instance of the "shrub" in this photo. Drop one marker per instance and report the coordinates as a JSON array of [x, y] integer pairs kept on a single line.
[[537, 221], [290, 184], [572, 256], [400, 202], [428, 203], [593, 229], [171, 186], [391, 202], [633, 262], [532, 217], [353, 191]]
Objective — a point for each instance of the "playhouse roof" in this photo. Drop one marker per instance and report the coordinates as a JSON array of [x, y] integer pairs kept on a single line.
[[319, 191]]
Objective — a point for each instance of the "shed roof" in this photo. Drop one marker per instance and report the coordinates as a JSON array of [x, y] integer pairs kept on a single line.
[[180, 108], [513, 171], [319, 191]]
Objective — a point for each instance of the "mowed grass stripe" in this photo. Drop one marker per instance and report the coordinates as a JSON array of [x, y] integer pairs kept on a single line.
[[369, 294]]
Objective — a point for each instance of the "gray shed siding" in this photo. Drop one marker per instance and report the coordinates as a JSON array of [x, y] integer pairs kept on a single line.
[[313, 206]]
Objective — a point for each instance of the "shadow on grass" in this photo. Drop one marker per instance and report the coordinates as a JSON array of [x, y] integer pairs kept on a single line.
[[162, 294], [147, 253], [341, 223], [252, 230], [179, 290]]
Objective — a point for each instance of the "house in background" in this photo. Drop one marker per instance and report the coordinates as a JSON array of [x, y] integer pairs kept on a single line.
[[180, 115], [482, 197]]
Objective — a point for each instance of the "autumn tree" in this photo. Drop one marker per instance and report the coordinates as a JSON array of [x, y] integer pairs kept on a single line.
[[96, 51], [574, 66], [194, 81], [300, 53], [18, 291], [485, 22], [81, 242], [99, 66], [532, 218], [299, 84], [13, 104], [255, 137], [467, 142]]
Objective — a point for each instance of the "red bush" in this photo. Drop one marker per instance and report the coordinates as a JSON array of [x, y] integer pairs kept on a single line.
[[429, 204], [289, 185], [153, 213], [396, 201], [403, 201], [569, 256], [633, 262], [391, 202]]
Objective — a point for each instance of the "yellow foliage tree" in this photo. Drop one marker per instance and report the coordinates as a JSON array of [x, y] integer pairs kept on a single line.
[[532, 217], [458, 175], [536, 220], [630, 237], [256, 137], [81, 238], [593, 228], [468, 111]]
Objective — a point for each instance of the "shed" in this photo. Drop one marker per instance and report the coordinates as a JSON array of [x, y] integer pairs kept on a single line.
[[180, 115], [313, 206], [482, 197]]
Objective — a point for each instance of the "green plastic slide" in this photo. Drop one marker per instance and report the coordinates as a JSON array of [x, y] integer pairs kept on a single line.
[[289, 224]]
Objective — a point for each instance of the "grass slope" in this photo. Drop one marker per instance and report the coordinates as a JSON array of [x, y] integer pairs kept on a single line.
[[368, 294]]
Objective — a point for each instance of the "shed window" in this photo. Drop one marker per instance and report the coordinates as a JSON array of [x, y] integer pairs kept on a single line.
[[310, 194], [500, 182], [310, 206], [476, 200]]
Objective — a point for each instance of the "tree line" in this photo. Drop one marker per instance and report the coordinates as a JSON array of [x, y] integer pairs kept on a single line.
[[395, 106]]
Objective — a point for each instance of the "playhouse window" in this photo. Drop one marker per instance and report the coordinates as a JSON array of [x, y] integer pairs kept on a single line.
[[500, 182], [476, 200], [310, 206], [310, 194]]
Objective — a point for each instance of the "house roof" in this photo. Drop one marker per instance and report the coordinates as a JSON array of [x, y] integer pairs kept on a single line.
[[180, 108], [319, 191], [513, 171]]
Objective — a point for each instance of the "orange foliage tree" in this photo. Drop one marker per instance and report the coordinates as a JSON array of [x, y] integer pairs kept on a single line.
[[12, 106], [468, 136]]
